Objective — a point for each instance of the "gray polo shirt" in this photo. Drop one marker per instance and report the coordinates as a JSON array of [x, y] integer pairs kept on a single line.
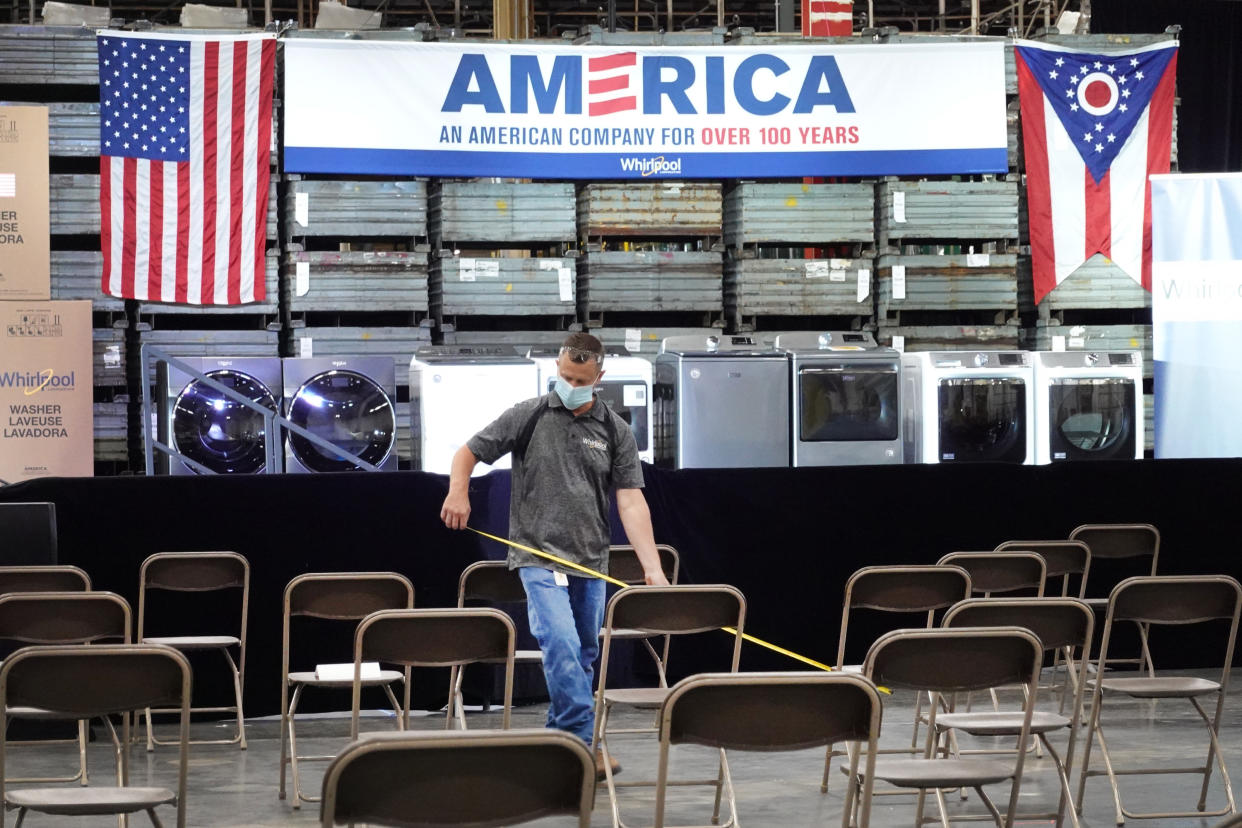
[[560, 492]]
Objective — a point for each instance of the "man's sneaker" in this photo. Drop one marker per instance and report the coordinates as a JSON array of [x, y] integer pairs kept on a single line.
[[599, 765]]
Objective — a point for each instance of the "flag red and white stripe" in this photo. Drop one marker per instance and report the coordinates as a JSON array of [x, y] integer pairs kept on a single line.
[[187, 222]]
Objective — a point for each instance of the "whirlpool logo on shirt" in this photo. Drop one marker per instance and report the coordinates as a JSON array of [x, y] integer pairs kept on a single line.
[[599, 445]]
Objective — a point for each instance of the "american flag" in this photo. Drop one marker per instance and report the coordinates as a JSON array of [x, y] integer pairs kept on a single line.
[[184, 141], [1095, 126]]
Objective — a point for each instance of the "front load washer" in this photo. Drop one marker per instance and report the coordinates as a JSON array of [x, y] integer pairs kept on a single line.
[[846, 399], [456, 390], [209, 427], [968, 406], [1088, 405], [626, 387], [347, 401], [721, 402]]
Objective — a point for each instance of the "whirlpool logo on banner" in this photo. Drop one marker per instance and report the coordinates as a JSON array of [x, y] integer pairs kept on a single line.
[[517, 110]]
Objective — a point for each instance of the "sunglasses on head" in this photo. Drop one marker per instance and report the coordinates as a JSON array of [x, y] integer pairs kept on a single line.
[[581, 356]]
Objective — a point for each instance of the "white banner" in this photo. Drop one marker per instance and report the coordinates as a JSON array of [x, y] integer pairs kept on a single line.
[[1197, 314], [557, 111]]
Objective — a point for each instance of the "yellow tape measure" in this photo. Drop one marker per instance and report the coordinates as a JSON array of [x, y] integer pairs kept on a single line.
[[588, 571]]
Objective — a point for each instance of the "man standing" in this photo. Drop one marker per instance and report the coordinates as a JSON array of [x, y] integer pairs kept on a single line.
[[569, 450]]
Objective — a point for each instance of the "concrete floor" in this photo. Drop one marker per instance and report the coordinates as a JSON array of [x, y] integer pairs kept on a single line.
[[230, 787]]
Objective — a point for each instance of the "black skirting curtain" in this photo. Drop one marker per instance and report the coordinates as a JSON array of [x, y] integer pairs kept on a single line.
[[1209, 71]]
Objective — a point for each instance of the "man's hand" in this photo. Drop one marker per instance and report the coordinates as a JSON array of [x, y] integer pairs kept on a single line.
[[655, 578], [456, 510]]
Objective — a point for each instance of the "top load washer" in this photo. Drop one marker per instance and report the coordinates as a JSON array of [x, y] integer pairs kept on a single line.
[[456, 390], [721, 402], [209, 427], [1088, 405], [964, 406], [626, 387], [347, 401], [846, 399]]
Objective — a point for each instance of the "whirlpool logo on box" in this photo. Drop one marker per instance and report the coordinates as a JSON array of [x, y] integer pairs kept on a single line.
[[33, 382]]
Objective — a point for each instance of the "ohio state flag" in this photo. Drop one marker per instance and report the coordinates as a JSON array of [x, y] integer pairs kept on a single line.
[[1094, 127]]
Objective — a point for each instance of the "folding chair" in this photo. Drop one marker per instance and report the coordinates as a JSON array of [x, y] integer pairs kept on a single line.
[[82, 682], [946, 662], [1121, 542], [438, 778], [61, 618], [901, 590], [1060, 624], [200, 572], [1167, 600], [770, 712], [658, 610], [335, 596], [998, 573], [623, 564], [53, 578], [433, 638]]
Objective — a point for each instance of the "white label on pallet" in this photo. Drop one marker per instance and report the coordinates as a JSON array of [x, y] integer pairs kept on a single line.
[[1077, 342], [302, 280], [864, 284], [112, 356], [899, 207], [633, 339], [301, 208], [899, 281], [465, 270], [565, 282], [549, 264], [899, 342], [978, 259], [305, 348], [1058, 342], [633, 396], [816, 269], [487, 268]]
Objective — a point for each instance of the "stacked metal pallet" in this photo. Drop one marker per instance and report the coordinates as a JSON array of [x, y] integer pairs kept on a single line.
[[771, 227]]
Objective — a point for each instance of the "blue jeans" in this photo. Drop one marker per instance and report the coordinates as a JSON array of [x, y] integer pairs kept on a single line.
[[566, 622]]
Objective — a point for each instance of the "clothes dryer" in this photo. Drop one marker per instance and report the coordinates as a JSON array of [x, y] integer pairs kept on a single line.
[[348, 401], [968, 406], [626, 387], [845, 399], [1088, 405], [209, 427], [455, 390], [721, 402]]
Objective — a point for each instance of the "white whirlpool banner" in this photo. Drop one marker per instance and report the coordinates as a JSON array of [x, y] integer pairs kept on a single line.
[[557, 111], [1196, 308]]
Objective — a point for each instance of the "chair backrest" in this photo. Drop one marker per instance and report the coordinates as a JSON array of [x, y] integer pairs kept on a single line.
[[1120, 540], [57, 578], [904, 589], [1000, 572], [955, 660], [478, 778], [490, 581], [1062, 558], [99, 680], [64, 617], [675, 610], [623, 564], [1057, 622], [194, 572]]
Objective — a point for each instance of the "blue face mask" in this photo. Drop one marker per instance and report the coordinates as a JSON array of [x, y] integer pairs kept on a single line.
[[573, 398]]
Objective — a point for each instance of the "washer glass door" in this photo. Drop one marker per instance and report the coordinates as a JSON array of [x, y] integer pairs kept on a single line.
[[1091, 419], [348, 410], [983, 419], [219, 432], [848, 402]]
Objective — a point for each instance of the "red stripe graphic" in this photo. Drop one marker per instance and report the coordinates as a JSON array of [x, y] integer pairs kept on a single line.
[[263, 138], [155, 255], [1159, 151], [612, 84], [183, 232], [1038, 182], [607, 62], [236, 166], [614, 105], [105, 224], [211, 68], [129, 188], [1099, 236]]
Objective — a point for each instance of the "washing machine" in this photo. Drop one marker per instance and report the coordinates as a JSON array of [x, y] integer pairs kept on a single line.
[[721, 402], [348, 401], [456, 390], [626, 387], [1088, 405], [209, 427], [845, 399], [968, 406]]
